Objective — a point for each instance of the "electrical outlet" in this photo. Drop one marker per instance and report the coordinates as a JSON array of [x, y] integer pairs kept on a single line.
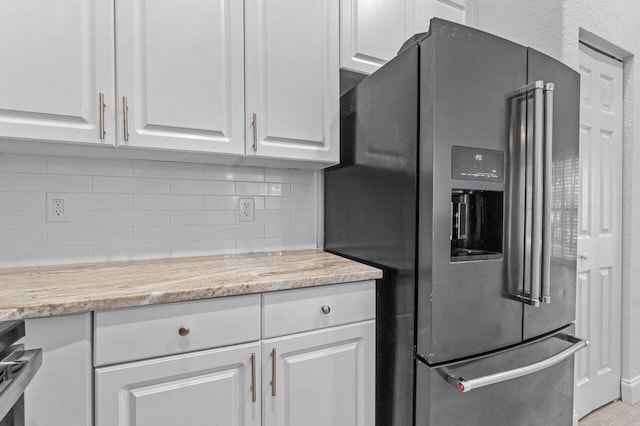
[[246, 210], [58, 207]]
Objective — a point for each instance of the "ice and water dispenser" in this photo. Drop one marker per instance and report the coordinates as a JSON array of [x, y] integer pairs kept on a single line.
[[476, 214]]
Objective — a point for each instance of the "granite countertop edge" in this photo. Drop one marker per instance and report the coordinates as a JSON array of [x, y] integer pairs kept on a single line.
[[43, 291]]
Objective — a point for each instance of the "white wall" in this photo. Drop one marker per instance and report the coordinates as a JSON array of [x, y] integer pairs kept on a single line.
[[132, 209], [553, 27]]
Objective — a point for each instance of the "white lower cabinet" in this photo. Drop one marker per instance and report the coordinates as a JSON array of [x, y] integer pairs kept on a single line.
[[319, 378], [211, 387], [315, 364], [60, 394]]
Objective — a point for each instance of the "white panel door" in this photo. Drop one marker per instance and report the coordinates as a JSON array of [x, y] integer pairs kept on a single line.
[[372, 31], [56, 57], [180, 66], [212, 388], [322, 377], [599, 231], [292, 79]]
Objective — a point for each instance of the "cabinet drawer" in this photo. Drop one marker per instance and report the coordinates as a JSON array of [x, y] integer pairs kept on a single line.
[[151, 331], [293, 311]]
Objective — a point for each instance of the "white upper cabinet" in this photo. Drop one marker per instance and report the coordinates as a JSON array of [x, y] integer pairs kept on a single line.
[[180, 66], [372, 31], [56, 57], [292, 79]]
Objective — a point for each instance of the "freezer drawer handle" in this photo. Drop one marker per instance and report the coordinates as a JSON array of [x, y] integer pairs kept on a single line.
[[464, 385]]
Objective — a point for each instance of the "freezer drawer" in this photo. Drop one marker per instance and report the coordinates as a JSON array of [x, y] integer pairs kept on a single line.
[[541, 392]]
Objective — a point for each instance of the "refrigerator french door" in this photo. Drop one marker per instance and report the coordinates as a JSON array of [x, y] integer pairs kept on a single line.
[[458, 177]]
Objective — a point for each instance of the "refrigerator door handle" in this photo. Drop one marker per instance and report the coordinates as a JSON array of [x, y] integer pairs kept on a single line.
[[465, 385], [534, 230], [538, 195], [548, 169]]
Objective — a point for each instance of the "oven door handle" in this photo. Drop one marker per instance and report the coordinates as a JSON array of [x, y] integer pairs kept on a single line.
[[17, 384], [465, 385]]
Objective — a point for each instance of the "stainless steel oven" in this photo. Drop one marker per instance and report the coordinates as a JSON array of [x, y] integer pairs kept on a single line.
[[17, 368]]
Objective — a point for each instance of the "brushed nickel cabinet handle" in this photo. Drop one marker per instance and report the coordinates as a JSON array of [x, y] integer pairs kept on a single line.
[[125, 118], [184, 330], [253, 377], [326, 309], [101, 109], [273, 372], [254, 124]]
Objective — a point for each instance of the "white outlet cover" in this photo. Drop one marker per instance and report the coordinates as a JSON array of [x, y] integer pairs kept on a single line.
[[246, 210], [66, 199]]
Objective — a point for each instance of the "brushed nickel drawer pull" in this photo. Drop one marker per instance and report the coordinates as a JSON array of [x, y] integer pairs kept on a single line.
[[253, 377], [273, 372], [326, 309], [184, 330]]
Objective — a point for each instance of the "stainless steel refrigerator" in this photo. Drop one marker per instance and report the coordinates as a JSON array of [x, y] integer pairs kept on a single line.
[[458, 176]]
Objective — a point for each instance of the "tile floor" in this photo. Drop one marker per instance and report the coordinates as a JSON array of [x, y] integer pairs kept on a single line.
[[616, 413]]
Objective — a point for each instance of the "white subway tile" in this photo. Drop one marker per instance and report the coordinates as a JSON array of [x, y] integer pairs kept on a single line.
[[84, 201], [228, 232], [86, 236], [13, 219], [23, 163], [163, 169], [290, 176], [303, 242], [263, 244], [115, 252], [202, 248], [168, 202], [254, 174], [272, 230], [273, 216], [45, 255], [229, 203], [22, 200], [128, 185], [77, 219], [303, 190], [203, 217], [10, 238], [130, 218], [205, 187], [289, 203], [16, 182], [272, 189], [307, 217], [168, 233], [89, 166]]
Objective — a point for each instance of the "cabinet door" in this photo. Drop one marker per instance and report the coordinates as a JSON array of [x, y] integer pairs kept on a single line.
[[56, 58], [212, 388], [292, 79], [324, 377], [62, 390], [180, 66], [372, 32]]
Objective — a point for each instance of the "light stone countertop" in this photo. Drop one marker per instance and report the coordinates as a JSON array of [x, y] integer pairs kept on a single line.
[[41, 291]]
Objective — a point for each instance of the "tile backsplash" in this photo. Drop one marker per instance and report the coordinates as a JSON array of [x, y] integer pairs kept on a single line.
[[135, 209]]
